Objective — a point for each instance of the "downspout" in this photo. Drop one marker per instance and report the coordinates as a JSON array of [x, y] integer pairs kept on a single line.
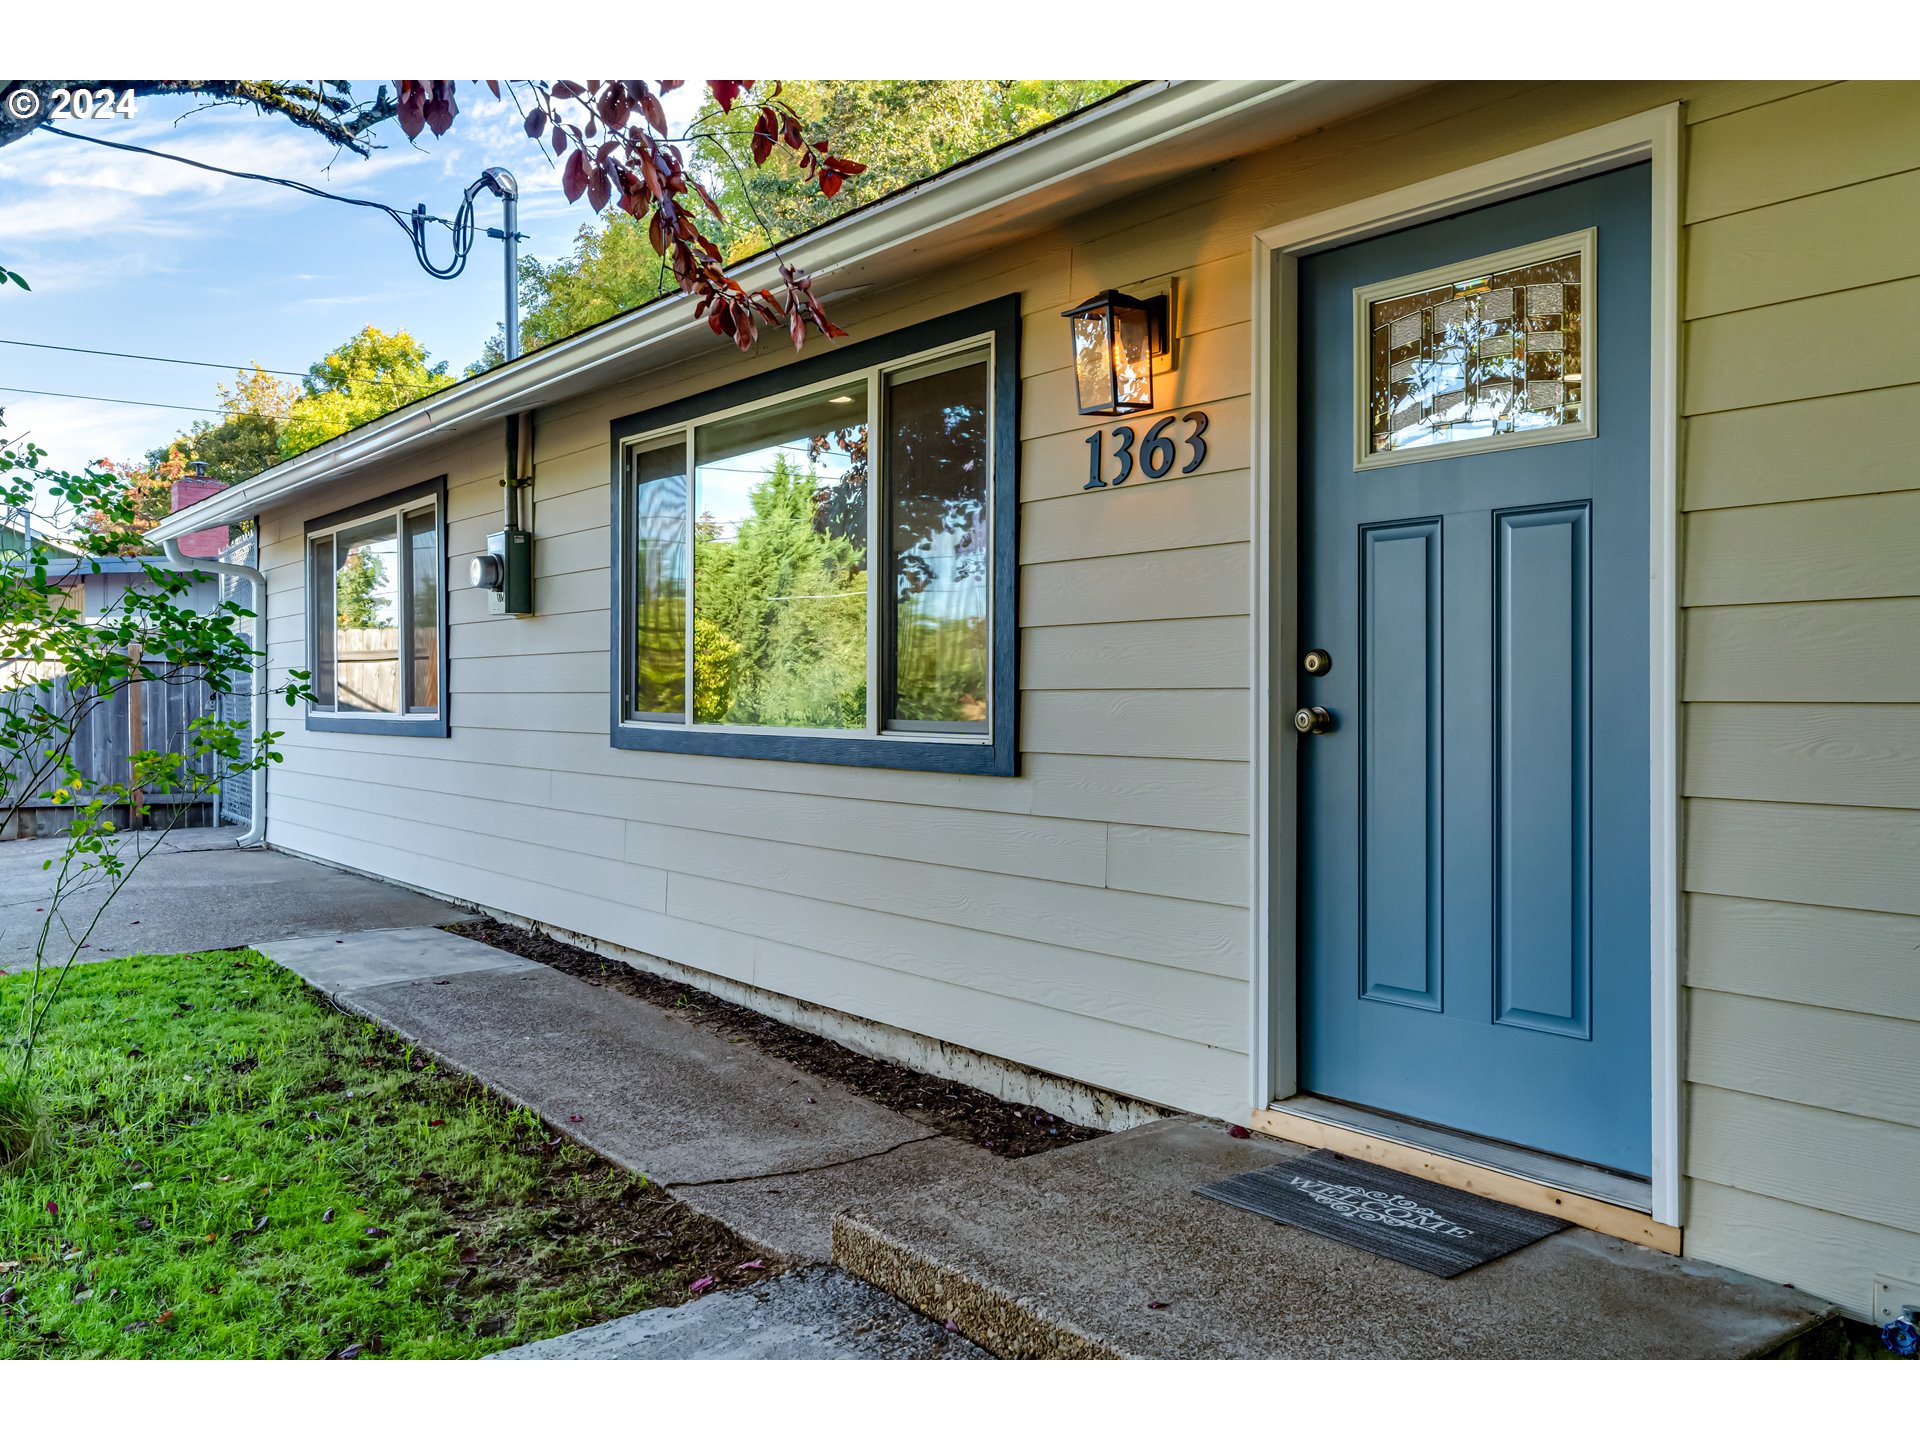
[[256, 832]]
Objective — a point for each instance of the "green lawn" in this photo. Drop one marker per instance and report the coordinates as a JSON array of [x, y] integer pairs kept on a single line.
[[244, 1171]]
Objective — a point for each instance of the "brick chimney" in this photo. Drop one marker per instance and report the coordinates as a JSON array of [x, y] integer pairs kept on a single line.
[[201, 544]]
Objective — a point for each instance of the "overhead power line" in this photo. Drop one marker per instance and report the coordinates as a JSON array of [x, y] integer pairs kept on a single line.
[[157, 359], [109, 400], [404, 221], [462, 227]]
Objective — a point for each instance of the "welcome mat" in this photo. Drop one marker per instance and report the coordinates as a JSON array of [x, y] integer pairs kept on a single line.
[[1417, 1222]]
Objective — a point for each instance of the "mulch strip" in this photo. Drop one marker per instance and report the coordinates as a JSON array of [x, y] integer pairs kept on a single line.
[[997, 1125]]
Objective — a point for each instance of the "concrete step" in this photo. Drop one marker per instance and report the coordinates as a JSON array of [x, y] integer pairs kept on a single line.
[[818, 1313], [1102, 1250]]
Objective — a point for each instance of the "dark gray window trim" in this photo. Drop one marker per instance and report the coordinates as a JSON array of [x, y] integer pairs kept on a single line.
[[999, 318], [437, 726]]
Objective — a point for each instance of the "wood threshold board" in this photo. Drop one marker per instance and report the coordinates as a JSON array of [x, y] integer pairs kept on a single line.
[[1619, 1221]]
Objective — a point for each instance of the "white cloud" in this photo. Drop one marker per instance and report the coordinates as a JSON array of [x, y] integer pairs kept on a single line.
[[74, 433]]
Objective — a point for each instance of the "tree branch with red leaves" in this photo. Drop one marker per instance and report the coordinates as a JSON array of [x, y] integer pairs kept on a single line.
[[617, 149]]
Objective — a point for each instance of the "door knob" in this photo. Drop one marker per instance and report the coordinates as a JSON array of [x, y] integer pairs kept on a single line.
[[1312, 720]]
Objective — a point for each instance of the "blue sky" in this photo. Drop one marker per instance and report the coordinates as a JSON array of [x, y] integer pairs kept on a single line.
[[126, 252]]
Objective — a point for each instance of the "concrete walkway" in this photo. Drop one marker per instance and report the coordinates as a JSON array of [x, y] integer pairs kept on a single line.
[[1099, 1249], [739, 1135], [763, 1147], [199, 891]]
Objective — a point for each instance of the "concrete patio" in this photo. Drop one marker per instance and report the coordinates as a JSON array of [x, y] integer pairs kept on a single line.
[[200, 891]]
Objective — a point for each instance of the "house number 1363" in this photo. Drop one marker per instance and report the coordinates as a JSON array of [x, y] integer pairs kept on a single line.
[[1157, 450]]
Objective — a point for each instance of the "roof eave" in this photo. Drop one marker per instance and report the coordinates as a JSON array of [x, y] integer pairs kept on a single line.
[[1148, 115]]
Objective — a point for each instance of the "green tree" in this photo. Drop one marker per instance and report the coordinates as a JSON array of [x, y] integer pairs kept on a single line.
[[357, 600], [714, 654], [370, 374], [902, 130], [905, 130], [792, 597], [246, 440]]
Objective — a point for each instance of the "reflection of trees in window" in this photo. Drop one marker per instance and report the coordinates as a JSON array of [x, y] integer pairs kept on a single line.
[[789, 595], [937, 519], [356, 592], [660, 581]]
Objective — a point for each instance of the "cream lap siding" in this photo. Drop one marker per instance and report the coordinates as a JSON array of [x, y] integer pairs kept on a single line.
[[1086, 918], [1802, 688]]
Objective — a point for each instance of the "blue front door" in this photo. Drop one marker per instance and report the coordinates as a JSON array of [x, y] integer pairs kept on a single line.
[[1474, 826]]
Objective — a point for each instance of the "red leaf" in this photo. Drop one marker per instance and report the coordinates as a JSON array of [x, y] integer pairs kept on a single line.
[[829, 183], [1156, 1304], [752, 1265], [656, 112], [712, 209], [559, 139], [705, 1282], [494, 85], [53, 1209], [575, 1119], [766, 134], [411, 110], [573, 179], [725, 92], [599, 188], [536, 122], [614, 107], [667, 87], [1239, 1132], [440, 107]]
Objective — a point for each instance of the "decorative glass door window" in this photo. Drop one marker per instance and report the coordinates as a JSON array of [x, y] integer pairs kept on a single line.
[[1480, 355]]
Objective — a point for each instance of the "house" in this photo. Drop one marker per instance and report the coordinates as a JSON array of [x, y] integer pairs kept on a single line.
[[1468, 716]]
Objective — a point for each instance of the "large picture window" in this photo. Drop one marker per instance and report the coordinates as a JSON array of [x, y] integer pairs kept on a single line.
[[818, 564], [376, 633]]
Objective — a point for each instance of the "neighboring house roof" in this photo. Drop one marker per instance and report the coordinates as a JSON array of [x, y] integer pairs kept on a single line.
[[1152, 132]]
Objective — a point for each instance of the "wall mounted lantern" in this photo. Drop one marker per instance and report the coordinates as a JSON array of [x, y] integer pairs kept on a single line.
[[1115, 338]]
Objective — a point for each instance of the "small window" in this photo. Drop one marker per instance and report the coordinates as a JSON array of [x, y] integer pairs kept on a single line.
[[377, 629], [1481, 355], [818, 564]]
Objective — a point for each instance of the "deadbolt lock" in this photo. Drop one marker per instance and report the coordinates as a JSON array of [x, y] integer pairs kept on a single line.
[[1312, 720], [1316, 662]]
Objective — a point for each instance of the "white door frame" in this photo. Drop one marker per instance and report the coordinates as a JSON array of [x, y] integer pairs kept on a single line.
[[1653, 136]]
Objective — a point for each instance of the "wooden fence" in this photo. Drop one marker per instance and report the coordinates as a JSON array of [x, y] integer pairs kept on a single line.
[[102, 743]]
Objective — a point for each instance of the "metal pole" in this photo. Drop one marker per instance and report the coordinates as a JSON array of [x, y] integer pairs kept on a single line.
[[510, 207], [502, 183]]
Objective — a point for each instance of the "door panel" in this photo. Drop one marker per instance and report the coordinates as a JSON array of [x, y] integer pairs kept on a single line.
[[1473, 926], [1542, 869], [1400, 771]]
